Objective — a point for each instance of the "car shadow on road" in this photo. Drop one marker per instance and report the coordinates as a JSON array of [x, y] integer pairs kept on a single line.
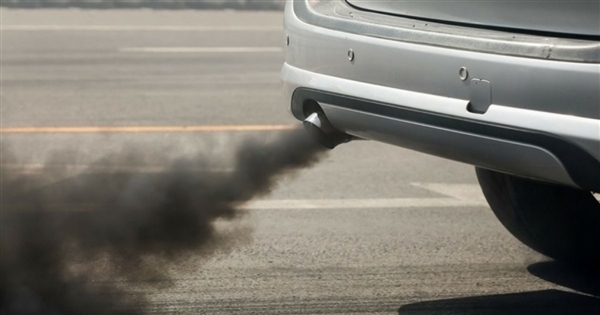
[[535, 302], [567, 276]]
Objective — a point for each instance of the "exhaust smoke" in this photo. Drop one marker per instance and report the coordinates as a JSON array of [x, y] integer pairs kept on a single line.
[[69, 247]]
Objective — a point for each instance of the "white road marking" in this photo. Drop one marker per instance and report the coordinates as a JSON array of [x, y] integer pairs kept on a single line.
[[168, 28], [323, 204], [384, 203], [200, 49], [144, 129], [75, 169], [458, 195], [466, 192]]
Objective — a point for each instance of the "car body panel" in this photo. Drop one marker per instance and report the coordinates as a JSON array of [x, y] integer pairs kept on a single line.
[[568, 17], [536, 96], [338, 15], [527, 83]]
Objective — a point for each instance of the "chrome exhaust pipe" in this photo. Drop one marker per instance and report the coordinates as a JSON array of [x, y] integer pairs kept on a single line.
[[318, 126]]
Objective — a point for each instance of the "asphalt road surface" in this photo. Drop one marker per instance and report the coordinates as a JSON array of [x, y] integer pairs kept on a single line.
[[372, 229]]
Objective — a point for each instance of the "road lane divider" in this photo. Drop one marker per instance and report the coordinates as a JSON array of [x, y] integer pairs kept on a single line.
[[145, 129], [452, 195], [129, 28], [305, 204], [375, 203], [75, 169], [187, 50], [467, 192]]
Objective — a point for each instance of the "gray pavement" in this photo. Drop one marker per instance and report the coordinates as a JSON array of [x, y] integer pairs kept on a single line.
[[415, 238]]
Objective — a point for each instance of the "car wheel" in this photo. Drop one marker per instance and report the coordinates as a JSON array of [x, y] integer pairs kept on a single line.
[[557, 221]]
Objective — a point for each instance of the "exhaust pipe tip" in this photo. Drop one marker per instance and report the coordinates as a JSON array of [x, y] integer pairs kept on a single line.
[[319, 127]]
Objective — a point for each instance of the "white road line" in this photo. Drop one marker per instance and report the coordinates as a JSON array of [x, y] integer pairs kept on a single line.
[[466, 192], [321, 204], [459, 195], [168, 28], [358, 203], [75, 169], [144, 129], [200, 49]]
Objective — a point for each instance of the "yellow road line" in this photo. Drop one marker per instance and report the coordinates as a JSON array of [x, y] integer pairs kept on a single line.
[[148, 129]]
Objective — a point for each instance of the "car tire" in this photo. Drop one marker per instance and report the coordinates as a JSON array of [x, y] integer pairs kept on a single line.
[[558, 221]]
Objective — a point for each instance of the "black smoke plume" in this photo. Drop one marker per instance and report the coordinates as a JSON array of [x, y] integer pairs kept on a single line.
[[57, 239]]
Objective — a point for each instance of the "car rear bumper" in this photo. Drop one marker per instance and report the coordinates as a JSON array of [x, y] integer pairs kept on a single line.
[[557, 102]]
